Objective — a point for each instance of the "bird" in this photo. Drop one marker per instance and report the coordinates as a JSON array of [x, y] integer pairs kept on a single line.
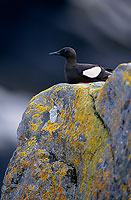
[[79, 72]]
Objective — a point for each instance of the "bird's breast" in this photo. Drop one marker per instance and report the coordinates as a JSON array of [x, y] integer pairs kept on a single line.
[[72, 75]]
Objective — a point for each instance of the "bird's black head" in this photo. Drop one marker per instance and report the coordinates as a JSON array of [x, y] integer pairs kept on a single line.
[[66, 52]]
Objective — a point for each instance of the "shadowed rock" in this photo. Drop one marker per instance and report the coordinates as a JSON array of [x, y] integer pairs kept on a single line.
[[74, 143]]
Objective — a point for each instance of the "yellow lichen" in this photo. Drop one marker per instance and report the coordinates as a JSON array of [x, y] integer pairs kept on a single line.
[[84, 137]]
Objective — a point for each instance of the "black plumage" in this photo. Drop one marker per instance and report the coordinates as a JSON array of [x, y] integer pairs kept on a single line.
[[78, 72]]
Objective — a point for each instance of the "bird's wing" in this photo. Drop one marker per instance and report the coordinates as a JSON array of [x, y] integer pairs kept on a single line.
[[89, 70]]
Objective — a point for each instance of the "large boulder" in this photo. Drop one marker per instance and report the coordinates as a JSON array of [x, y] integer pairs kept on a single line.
[[74, 143]]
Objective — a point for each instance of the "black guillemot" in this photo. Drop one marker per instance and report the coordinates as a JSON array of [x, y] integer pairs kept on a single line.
[[79, 72]]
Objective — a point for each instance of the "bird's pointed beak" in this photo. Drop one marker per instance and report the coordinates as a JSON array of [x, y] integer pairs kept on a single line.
[[55, 53]]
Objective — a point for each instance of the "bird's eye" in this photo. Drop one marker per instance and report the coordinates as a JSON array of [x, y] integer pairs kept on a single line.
[[65, 51]]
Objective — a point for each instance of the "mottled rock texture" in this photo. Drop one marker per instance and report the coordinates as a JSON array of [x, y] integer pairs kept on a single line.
[[74, 142]]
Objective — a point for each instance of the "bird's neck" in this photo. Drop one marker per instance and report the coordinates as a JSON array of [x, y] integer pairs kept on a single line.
[[70, 62]]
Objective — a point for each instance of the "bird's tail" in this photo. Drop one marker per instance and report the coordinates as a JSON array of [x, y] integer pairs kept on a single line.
[[109, 70], [106, 75]]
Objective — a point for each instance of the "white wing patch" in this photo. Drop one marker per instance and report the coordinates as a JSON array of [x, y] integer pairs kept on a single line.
[[93, 72]]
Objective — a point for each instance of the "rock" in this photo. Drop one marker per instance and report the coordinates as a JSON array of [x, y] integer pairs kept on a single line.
[[74, 143], [114, 107]]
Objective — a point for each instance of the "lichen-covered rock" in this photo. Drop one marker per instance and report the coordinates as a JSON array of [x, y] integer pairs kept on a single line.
[[114, 107], [74, 143]]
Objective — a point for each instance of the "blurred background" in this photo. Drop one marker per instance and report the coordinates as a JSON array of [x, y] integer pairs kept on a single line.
[[100, 31]]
